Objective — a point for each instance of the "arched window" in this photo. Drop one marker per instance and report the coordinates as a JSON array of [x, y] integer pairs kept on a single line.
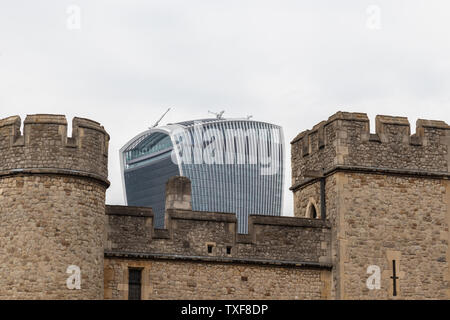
[[311, 210]]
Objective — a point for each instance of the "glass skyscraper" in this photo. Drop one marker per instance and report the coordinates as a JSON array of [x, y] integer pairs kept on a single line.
[[235, 165]]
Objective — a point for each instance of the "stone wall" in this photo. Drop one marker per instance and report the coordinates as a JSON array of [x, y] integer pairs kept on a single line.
[[52, 205], [345, 140], [45, 144], [389, 218], [283, 258], [387, 198], [166, 279], [45, 227], [201, 254], [310, 193], [130, 230]]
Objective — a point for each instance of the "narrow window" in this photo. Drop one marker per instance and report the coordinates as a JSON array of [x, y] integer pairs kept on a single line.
[[134, 284], [313, 212], [210, 248], [394, 278], [228, 250]]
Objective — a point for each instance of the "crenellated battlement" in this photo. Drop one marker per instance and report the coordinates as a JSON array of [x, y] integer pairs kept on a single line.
[[214, 235], [52, 206], [130, 231], [345, 140], [44, 145]]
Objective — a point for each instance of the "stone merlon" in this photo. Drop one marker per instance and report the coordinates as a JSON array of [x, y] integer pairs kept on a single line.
[[44, 146], [345, 141], [271, 239]]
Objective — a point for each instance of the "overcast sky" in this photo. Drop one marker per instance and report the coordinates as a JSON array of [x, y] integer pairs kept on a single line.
[[292, 63]]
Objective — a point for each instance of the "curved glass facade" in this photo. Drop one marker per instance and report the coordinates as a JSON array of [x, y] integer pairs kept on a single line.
[[148, 167], [234, 166]]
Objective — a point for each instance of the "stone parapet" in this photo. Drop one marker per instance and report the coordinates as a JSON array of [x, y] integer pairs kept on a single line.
[[44, 144], [345, 140], [52, 208], [130, 230]]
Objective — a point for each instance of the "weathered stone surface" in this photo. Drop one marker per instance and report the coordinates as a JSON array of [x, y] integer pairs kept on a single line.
[[45, 145], [52, 205], [178, 193], [385, 214], [348, 142], [189, 233], [387, 198], [280, 257], [193, 280]]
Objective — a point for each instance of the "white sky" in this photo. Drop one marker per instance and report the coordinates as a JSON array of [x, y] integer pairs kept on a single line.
[[292, 63]]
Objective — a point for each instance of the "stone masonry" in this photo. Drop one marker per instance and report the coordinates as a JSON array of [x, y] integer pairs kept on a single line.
[[52, 205], [387, 197], [363, 202], [280, 257]]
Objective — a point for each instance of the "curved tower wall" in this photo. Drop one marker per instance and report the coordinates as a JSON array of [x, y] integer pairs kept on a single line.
[[52, 206]]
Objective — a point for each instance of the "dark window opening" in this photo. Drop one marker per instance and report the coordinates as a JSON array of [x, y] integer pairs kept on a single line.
[[210, 248], [228, 250], [134, 284], [312, 211]]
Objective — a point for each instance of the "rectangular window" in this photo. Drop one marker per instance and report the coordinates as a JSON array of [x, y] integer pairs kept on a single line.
[[134, 284]]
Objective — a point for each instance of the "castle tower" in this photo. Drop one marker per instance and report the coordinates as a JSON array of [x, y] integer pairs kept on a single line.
[[52, 206], [387, 196]]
